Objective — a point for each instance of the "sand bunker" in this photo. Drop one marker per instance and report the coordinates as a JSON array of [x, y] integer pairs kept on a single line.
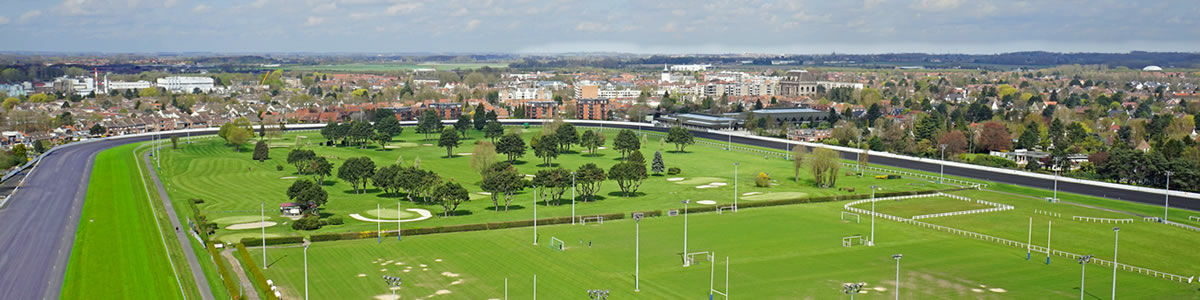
[[675, 179], [705, 186], [438, 260], [425, 214], [288, 177], [463, 153], [426, 144], [977, 290], [706, 202], [998, 290], [252, 225], [718, 184], [751, 193], [457, 282], [484, 193], [448, 274], [362, 275]]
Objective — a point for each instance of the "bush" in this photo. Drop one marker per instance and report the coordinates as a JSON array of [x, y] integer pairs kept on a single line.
[[309, 222], [197, 201], [273, 240], [673, 171], [333, 220], [992, 161], [256, 274], [278, 167], [762, 180]]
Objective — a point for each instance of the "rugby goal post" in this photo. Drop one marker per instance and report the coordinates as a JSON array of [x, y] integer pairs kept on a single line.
[[846, 214], [690, 258], [854, 239], [724, 208], [594, 219], [557, 244]]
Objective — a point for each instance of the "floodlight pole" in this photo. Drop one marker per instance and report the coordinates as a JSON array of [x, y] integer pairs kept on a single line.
[[1083, 260], [735, 186], [943, 167], [872, 216], [505, 288], [535, 220], [262, 213], [379, 225], [305, 272], [712, 271], [572, 198], [897, 257], [1055, 185], [1116, 238], [1167, 197], [398, 237], [637, 253], [534, 286]]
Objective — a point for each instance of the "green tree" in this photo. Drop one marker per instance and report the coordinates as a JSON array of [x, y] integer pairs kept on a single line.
[[483, 156], [298, 157], [1031, 137], [386, 178], [566, 135], [174, 142], [657, 166], [39, 146], [357, 171], [627, 142], [320, 167], [388, 125], [463, 124], [97, 129], [502, 180], [449, 195], [798, 155], [553, 183], [493, 130], [238, 136], [261, 153], [449, 140], [628, 175], [382, 138], [680, 137], [511, 145], [588, 178], [480, 117], [591, 140], [429, 123], [11, 102], [545, 147]]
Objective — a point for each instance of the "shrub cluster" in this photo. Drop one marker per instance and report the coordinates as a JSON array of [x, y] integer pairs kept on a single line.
[[256, 274], [673, 171]]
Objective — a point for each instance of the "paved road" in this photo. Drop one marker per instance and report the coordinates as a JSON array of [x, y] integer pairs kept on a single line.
[[37, 227], [181, 232]]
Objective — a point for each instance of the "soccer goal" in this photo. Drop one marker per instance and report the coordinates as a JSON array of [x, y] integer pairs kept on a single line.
[[853, 240], [725, 208], [846, 215], [594, 219], [557, 244], [690, 258]]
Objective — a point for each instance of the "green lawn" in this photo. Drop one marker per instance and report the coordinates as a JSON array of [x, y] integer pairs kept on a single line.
[[233, 186], [118, 251], [783, 252], [922, 206]]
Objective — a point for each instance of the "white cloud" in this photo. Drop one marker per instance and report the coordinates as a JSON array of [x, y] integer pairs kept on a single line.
[[75, 7], [314, 21], [669, 27], [324, 7], [170, 3], [29, 15], [201, 8], [259, 3], [937, 5], [869, 4], [472, 24], [591, 26], [402, 8], [3, 20]]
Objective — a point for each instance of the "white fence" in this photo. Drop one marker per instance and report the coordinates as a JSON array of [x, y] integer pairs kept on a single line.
[[1007, 242], [994, 207], [1101, 220], [1047, 213]]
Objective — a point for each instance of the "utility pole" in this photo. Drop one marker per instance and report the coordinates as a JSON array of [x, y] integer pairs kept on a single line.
[[305, 272], [262, 211], [572, 198], [1049, 226], [872, 243], [1083, 260], [735, 186], [535, 220], [1167, 199], [1116, 238], [897, 257], [685, 203], [943, 168]]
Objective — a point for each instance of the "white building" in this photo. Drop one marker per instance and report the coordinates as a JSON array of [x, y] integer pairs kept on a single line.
[[524, 94], [690, 68], [81, 85], [186, 84], [126, 85]]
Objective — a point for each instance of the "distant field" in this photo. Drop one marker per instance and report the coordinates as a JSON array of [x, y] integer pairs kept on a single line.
[[785, 252], [359, 67]]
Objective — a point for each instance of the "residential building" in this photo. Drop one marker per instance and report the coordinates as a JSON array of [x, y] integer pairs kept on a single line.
[[691, 68], [540, 109], [126, 85], [592, 109], [701, 121], [524, 94], [798, 83], [186, 84], [784, 115], [447, 110]]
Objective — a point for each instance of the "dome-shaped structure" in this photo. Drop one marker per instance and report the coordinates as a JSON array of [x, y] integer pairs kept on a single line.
[[1152, 68]]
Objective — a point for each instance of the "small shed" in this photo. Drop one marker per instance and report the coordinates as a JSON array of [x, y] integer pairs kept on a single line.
[[290, 209]]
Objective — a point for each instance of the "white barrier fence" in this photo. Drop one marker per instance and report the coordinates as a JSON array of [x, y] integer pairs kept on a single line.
[[1047, 213], [1101, 220], [1007, 242], [1194, 218]]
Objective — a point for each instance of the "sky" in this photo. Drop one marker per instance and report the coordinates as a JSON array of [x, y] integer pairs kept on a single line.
[[558, 26]]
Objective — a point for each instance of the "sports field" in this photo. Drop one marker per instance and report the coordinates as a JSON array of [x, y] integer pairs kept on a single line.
[[384, 67], [777, 252], [118, 251], [233, 186]]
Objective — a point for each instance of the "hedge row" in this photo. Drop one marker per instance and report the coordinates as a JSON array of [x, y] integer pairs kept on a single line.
[[256, 274], [227, 275], [273, 240]]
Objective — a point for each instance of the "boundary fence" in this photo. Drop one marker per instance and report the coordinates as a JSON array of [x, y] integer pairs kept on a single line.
[[1101, 220]]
